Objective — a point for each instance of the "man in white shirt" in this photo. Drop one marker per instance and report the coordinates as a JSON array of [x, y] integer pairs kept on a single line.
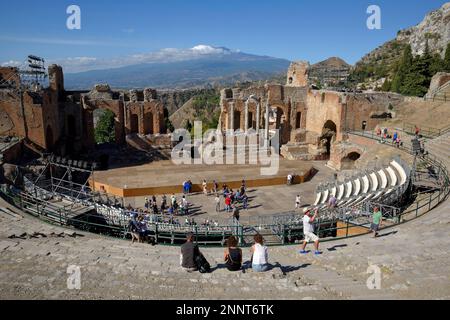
[[289, 179], [308, 231]]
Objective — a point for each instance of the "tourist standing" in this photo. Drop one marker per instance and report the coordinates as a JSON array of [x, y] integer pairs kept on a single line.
[[205, 188], [227, 203], [236, 215], [189, 186], [417, 131], [394, 137], [163, 203], [289, 179], [233, 255], [398, 142], [245, 202], [260, 256], [332, 202], [184, 206], [217, 201], [377, 219], [215, 187], [308, 231], [297, 202]]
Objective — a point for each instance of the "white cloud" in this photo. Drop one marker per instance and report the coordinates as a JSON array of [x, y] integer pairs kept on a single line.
[[11, 63], [205, 49]]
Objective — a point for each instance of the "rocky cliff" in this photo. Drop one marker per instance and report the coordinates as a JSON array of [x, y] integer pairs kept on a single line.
[[380, 63]]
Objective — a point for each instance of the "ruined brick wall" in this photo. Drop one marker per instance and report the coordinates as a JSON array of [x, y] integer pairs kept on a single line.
[[149, 117], [342, 153], [373, 108], [323, 107], [56, 79], [91, 102], [284, 102], [9, 77], [297, 75]]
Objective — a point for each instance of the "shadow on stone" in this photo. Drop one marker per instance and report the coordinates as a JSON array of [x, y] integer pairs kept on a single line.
[[337, 247]]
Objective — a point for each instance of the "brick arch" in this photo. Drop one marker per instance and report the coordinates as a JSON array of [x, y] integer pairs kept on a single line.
[[253, 103], [134, 123], [149, 123], [349, 158], [49, 138], [282, 122]]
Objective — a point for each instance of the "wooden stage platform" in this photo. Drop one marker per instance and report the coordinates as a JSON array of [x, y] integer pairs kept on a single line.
[[164, 177]]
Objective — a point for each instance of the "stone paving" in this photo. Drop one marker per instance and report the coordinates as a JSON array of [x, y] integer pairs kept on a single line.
[[263, 201], [413, 260]]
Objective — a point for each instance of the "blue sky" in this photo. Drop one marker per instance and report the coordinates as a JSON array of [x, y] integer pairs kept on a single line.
[[290, 29]]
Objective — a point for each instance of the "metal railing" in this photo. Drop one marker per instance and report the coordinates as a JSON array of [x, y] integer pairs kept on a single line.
[[421, 206], [427, 132], [281, 229]]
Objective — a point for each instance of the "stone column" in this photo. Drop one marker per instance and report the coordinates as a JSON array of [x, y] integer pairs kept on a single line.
[[266, 128], [258, 115], [246, 117], [231, 116]]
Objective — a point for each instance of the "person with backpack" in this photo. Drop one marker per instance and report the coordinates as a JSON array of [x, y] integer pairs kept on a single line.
[[233, 255], [134, 229]]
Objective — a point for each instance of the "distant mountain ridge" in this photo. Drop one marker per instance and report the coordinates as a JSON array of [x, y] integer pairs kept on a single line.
[[330, 72], [215, 66]]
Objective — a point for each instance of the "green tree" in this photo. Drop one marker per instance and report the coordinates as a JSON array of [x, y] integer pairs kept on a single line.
[[417, 80], [404, 68], [188, 126], [446, 63], [105, 131], [169, 125], [386, 85]]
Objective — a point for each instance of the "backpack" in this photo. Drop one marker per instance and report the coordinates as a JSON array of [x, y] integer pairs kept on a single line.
[[132, 227], [203, 265]]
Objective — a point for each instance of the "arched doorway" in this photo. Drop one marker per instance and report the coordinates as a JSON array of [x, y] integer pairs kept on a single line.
[[251, 124], [237, 120], [298, 120], [148, 123], [71, 126], [281, 124], [328, 135], [49, 138], [348, 162], [71, 134], [134, 123]]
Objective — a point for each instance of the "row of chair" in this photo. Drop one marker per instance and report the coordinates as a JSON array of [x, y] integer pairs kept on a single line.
[[374, 185]]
